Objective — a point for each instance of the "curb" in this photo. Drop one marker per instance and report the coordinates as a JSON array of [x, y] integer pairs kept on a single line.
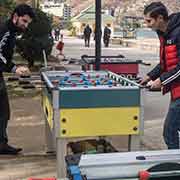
[[147, 45]]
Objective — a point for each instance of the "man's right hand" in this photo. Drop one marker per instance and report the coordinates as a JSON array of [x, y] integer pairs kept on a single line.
[[22, 70], [145, 80]]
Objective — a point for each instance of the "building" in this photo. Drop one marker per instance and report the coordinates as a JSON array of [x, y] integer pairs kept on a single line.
[[87, 16], [54, 7], [67, 12], [54, 1]]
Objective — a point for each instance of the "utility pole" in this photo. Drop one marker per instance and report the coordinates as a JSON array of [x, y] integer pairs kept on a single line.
[[177, 5], [35, 3], [98, 34]]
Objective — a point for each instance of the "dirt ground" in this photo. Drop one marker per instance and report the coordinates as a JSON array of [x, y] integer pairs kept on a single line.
[[26, 126]]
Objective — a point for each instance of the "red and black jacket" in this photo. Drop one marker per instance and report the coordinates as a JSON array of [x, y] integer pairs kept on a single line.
[[169, 67]]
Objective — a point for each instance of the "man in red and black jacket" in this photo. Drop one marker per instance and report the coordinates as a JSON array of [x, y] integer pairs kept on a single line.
[[19, 21], [166, 75]]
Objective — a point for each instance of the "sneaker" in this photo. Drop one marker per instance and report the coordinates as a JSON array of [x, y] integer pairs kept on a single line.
[[9, 150]]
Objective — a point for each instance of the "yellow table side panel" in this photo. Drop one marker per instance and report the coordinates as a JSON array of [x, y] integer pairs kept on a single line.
[[99, 121], [48, 110]]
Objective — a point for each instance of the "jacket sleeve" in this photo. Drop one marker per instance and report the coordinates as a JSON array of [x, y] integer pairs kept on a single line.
[[155, 72], [6, 64], [170, 76]]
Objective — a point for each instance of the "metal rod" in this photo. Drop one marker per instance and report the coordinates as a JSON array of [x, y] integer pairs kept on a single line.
[[45, 58], [45, 78]]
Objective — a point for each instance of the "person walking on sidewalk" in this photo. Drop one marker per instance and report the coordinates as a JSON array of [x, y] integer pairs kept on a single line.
[[87, 35], [106, 36], [57, 33], [60, 47], [166, 75], [19, 21]]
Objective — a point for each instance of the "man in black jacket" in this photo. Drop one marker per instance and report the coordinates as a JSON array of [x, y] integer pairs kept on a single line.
[[87, 35], [19, 21], [106, 36], [166, 75]]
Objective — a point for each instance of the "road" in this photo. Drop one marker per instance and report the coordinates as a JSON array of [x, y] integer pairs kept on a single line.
[[74, 48]]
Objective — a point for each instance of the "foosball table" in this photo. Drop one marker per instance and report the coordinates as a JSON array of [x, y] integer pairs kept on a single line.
[[140, 165], [118, 64], [80, 104]]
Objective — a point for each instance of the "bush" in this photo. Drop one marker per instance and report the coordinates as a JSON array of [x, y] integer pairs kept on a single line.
[[6, 7], [37, 38]]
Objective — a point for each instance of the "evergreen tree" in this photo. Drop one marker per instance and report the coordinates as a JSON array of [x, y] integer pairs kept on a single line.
[[6, 7], [36, 39]]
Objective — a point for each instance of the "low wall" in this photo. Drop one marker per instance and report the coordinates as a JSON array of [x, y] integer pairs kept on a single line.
[[145, 44]]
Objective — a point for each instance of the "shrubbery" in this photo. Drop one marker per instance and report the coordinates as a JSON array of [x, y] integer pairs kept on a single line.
[[6, 7], [37, 38]]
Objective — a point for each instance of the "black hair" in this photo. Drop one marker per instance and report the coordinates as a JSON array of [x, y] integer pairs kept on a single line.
[[155, 9], [24, 9]]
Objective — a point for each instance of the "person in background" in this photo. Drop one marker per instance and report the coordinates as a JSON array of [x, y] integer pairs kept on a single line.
[[56, 34], [106, 36], [166, 75], [18, 23], [60, 46], [87, 35]]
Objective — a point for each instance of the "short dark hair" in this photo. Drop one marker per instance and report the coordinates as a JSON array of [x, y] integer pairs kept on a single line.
[[24, 9], [155, 9]]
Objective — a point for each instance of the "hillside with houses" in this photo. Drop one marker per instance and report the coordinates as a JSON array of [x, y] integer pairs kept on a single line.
[[126, 7]]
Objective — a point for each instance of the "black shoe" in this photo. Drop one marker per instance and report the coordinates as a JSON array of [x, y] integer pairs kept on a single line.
[[9, 150]]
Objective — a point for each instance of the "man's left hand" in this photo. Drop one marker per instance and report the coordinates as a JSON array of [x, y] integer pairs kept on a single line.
[[154, 84], [22, 70]]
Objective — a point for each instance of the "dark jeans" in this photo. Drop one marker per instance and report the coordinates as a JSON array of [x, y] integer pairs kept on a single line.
[[106, 42], [4, 111], [57, 37], [172, 125], [87, 41]]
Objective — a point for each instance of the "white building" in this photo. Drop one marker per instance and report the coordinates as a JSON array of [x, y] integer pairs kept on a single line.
[[54, 7], [54, 1], [67, 12]]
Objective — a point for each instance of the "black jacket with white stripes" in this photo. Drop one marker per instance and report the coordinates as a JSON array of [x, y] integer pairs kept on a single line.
[[168, 70], [7, 44]]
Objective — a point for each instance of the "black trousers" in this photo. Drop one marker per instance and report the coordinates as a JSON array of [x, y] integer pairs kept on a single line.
[[106, 42], [4, 111], [87, 41]]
